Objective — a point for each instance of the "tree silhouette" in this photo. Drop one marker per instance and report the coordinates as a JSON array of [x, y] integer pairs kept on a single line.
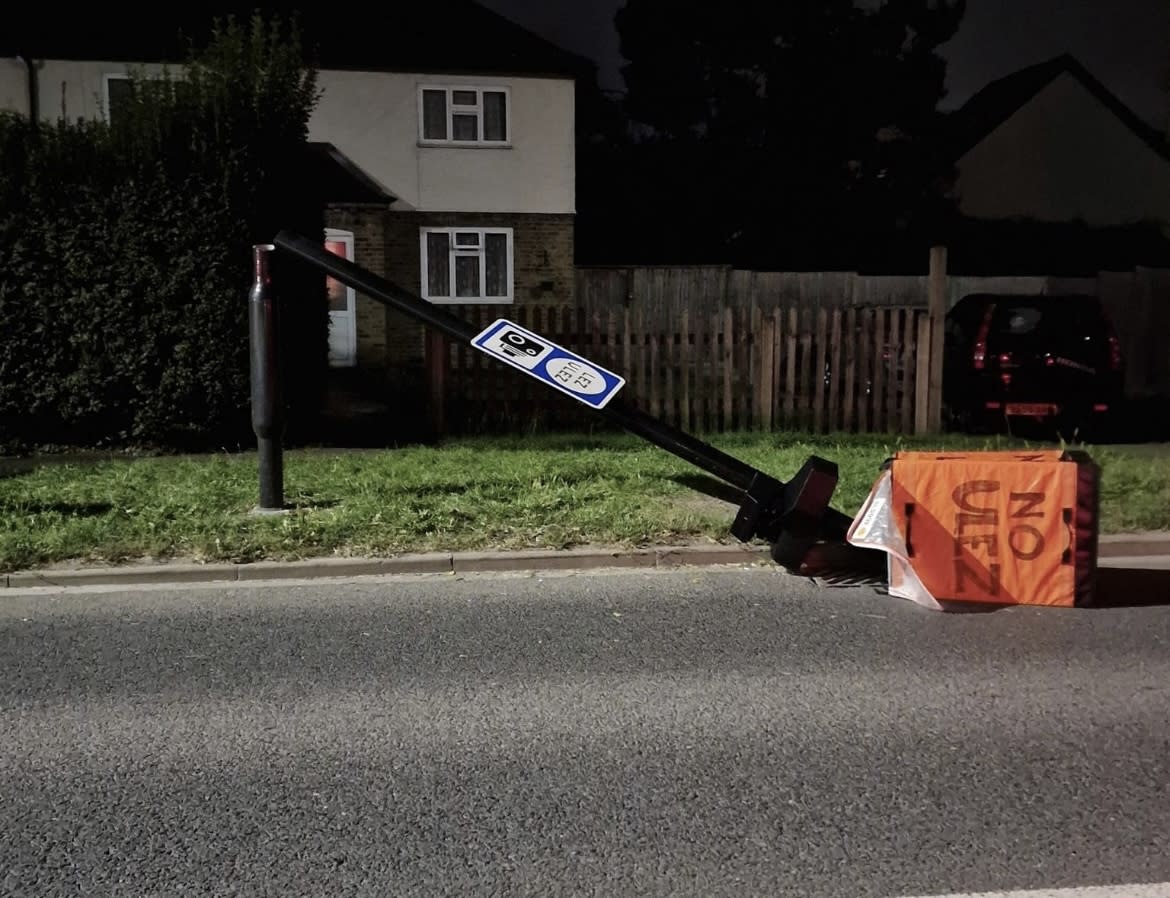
[[784, 132]]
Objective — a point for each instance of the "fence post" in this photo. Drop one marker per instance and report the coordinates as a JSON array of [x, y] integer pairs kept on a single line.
[[728, 362], [922, 375], [267, 401], [937, 302], [767, 401], [818, 381], [685, 368]]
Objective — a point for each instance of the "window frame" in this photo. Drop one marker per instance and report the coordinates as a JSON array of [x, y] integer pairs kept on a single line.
[[107, 77], [449, 90], [453, 252]]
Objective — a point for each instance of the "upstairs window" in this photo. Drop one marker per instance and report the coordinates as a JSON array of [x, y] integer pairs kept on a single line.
[[120, 93], [118, 97], [464, 116]]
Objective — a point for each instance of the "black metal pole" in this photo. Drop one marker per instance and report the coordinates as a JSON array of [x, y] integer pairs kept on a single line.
[[678, 442], [267, 401], [791, 515]]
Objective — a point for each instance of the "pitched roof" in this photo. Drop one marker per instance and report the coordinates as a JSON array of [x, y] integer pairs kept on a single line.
[[338, 179], [448, 36], [999, 100]]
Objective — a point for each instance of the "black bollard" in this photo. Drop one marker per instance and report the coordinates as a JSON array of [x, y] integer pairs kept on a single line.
[[267, 401]]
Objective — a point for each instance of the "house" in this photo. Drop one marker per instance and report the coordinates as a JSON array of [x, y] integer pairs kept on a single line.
[[1055, 175], [1059, 182], [444, 137]]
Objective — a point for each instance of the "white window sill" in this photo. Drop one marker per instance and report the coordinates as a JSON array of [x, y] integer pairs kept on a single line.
[[464, 145], [469, 300]]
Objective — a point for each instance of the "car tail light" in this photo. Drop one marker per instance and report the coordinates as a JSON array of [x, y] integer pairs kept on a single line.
[[979, 357], [1114, 353]]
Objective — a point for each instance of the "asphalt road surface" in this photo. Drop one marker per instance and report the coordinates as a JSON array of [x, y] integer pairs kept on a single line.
[[699, 732]]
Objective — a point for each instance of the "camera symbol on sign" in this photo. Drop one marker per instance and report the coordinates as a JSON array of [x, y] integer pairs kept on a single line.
[[519, 346]]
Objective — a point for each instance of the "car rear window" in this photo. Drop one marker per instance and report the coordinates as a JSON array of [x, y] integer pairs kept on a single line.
[[1017, 320], [1055, 319]]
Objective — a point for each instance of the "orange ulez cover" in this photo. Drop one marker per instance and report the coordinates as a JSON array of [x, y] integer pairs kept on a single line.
[[1013, 528]]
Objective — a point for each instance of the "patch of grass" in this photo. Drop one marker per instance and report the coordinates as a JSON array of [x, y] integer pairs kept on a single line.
[[552, 491]]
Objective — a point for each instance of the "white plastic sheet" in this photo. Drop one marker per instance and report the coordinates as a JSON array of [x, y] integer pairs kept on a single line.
[[874, 528]]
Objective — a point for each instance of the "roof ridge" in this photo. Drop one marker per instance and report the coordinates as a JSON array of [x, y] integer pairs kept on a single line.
[[999, 99]]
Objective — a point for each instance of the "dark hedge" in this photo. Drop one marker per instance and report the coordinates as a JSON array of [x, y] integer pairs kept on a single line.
[[125, 253]]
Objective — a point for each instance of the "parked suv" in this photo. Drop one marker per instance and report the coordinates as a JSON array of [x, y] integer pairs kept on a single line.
[[1054, 359]]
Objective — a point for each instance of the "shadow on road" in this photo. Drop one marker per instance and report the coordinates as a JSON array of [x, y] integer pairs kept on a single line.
[[1117, 587], [1132, 587]]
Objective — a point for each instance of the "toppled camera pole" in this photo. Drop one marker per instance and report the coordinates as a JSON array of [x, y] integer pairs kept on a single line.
[[792, 516]]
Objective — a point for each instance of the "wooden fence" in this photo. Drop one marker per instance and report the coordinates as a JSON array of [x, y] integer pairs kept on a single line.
[[710, 287], [711, 349], [763, 367], [1138, 301]]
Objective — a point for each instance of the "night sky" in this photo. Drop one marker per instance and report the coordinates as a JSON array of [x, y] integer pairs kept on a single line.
[[1125, 43]]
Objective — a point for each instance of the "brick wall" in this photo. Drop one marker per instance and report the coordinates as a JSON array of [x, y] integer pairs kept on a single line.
[[542, 265], [368, 225]]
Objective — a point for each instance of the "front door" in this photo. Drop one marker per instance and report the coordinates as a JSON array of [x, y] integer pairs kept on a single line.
[[342, 305]]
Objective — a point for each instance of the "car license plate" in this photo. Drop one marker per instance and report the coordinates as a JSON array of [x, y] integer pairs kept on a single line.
[[1031, 409]]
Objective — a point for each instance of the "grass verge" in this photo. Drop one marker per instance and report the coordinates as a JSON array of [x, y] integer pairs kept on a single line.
[[522, 492]]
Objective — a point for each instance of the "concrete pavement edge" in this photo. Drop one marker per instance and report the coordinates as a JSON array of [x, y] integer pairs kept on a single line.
[[1114, 547], [428, 563]]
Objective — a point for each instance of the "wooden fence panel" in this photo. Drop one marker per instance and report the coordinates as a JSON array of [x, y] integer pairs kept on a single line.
[[714, 366], [836, 386], [684, 365], [819, 371], [790, 388], [904, 363], [766, 367], [742, 378], [727, 361], [804, 396], [880, 349], [766, 406], [849, 376]]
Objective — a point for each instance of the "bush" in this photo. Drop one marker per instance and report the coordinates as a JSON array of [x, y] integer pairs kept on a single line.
[[126, 253]]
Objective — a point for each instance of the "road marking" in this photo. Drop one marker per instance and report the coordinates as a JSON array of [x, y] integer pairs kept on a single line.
[[1133, 890]]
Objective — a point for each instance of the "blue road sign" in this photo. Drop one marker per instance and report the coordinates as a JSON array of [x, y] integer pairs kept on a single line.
[[553, 365]]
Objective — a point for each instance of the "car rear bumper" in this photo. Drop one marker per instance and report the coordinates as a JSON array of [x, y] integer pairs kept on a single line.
[[1024, 408]]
